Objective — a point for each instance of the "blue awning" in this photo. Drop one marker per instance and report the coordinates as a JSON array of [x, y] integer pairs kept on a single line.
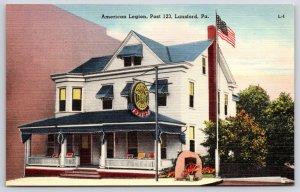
[[126, 91], [235, 97], [106, 91], [132, 50], [162, 87]]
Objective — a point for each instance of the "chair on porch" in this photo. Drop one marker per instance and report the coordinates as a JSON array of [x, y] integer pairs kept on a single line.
[[151, 155], [141, 155], [55, 155], [129, 156], [70, 154]]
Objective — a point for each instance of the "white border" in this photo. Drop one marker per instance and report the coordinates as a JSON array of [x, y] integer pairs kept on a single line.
[[111, 189]]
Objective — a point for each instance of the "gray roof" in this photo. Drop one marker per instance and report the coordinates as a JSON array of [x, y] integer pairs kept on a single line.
[[188, 51], [176, 53], [159, 49], [99, 117], [93, 65], [168, 54]]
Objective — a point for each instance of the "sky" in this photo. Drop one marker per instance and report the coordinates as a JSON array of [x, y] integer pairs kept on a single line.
[[264, 51]]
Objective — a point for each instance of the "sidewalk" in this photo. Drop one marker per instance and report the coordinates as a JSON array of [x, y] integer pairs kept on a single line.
[[257, 181], [57, 181]]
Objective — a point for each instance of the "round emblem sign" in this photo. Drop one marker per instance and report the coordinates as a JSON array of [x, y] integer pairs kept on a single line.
[[140, 96], [140, 99]]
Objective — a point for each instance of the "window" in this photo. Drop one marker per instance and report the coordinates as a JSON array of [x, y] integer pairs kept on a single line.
[[52, 145], [110, 145], [218, 102], [76, 99], [192, 138], [191, 94], [128, 102], [107, 103], [62, 99], [226, 104], [132, 143], [203, 66], [163, 146], [137, 60], [129, 61], [162, 99], [70, 143]]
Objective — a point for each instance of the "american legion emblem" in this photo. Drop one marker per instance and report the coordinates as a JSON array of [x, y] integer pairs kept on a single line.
[[140, 100]]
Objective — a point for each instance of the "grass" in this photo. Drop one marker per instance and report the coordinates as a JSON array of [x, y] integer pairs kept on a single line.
[[208, 175]]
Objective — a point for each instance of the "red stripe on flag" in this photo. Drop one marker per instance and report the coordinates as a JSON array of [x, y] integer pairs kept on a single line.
[[230, 38]]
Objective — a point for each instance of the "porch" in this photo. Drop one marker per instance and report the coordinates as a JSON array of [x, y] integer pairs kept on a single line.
[[99, 139], [119, 150]]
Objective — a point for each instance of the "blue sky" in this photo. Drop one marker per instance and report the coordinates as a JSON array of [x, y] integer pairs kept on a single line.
[[264, 52]]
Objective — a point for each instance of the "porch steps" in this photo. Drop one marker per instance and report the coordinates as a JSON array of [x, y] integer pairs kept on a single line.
[[81, 174]]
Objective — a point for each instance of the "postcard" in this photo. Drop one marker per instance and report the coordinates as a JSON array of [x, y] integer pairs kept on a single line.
[[149, 95]]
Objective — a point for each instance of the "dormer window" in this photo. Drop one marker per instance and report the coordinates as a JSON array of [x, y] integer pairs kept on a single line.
[[127, 61], [132, 61], [132, 55], [137, 60]]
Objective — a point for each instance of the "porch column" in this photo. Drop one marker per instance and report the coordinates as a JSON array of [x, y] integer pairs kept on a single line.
[[103, 153], [63, 150], [27, 150], [159, 154]]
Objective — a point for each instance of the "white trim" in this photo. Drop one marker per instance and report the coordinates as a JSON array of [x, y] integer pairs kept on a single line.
[[49, 168], [137, 69], [37, 127], [86, 125], [103, 124], [167, 123]]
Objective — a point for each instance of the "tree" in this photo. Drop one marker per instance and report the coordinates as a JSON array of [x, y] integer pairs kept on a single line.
[[241, 140], [254, 100], [280, 130]]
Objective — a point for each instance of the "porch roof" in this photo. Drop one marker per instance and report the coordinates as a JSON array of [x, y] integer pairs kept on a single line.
[[103, 121]]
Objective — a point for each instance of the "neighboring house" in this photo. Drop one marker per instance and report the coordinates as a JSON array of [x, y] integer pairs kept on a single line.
[[41, 40], [93, 125]]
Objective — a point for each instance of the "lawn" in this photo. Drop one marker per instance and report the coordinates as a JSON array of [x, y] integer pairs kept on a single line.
[[208, 175]]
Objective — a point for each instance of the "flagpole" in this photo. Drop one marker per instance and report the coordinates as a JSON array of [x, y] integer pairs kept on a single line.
[[217, 160], [156, 123]]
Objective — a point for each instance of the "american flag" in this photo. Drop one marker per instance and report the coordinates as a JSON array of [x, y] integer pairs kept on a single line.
[[225, 32]]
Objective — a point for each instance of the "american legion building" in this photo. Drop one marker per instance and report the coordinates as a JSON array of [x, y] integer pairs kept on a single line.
[[97, 125]]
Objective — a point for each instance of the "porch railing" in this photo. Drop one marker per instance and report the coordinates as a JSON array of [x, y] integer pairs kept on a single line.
[[50, 161], [130, 163]]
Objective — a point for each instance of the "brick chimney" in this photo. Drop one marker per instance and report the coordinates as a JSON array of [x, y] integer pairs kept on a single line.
[[211, 33]]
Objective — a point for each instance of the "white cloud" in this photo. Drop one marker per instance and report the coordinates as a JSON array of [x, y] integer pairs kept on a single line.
[[259, 57]]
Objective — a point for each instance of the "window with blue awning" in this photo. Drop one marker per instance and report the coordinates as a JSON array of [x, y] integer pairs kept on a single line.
[[131, 50], [126, 91], [162, 87], [106, 91]]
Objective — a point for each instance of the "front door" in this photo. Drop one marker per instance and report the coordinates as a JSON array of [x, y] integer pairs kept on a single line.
[[85, 150]]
